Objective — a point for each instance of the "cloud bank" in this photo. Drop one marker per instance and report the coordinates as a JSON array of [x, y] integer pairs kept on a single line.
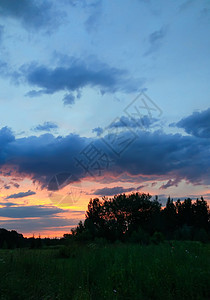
[[154, 154]]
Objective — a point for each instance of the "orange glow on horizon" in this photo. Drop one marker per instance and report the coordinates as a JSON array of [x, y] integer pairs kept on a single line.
[[75, 209]]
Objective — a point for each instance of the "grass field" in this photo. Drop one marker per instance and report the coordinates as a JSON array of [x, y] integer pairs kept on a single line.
[[107, 272]]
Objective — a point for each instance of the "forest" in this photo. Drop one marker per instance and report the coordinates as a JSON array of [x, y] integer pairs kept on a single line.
[[138, 218], [134, 218]]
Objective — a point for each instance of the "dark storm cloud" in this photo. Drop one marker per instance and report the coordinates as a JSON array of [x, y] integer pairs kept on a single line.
[[46, 126], [32, 14], [74, 75], [21, 195], [156, 155], [42, 156], [197, 124]]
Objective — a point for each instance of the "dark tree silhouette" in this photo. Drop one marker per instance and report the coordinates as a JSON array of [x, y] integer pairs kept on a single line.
[[135, 216]]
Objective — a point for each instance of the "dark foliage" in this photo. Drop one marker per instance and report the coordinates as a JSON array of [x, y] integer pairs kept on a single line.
[[128, 218], [135, 217], [12, 239]]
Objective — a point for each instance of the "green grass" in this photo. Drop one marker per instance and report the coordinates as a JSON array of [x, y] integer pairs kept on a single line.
[[107, 272]]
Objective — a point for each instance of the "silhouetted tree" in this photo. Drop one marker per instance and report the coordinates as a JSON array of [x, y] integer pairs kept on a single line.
[[135, 216], [169, 218]]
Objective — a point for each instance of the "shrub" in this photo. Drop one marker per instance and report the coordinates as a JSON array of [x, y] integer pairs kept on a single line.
[[140, 236], [201, 235], [157, 238]]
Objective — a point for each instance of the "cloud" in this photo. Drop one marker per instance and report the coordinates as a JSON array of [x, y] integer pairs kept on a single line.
[[152, 155], [33, 14], [170, 183], [1, 33], [7, 187], [7, 204], [94, 15], [197, 124], [112, 191], [6, 137], [69, 99], [43, 156], [144, 122], [156, 36], [98, 131], [34, 93], [46, 126], [174, 155], [155, 40], [28, 211], [21, 195], [41, 224], [74, 74], [16, 185], [83, 3], [187, 4]]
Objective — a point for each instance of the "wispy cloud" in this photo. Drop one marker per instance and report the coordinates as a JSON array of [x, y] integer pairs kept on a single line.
[[156, 39], [170, 183], [106, 191], [21, 195], [46, 126]]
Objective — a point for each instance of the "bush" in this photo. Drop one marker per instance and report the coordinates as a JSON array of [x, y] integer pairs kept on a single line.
[[157, 238], [184, 233], [201, 235], [100, 241], [71, 250], [140, 236]]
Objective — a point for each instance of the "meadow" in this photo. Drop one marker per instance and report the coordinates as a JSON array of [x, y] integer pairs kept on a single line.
[[170, 270]]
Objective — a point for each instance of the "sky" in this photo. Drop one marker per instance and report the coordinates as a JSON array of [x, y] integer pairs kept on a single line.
[[99, 98]]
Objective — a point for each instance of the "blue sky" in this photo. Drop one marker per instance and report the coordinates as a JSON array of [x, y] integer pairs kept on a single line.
[[70, 74]]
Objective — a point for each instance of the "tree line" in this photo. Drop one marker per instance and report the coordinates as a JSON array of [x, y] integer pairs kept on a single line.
[[12, 239], [134, 217], [138, 218]]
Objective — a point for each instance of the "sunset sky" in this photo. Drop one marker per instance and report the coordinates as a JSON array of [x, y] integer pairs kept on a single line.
[[98, 98]]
